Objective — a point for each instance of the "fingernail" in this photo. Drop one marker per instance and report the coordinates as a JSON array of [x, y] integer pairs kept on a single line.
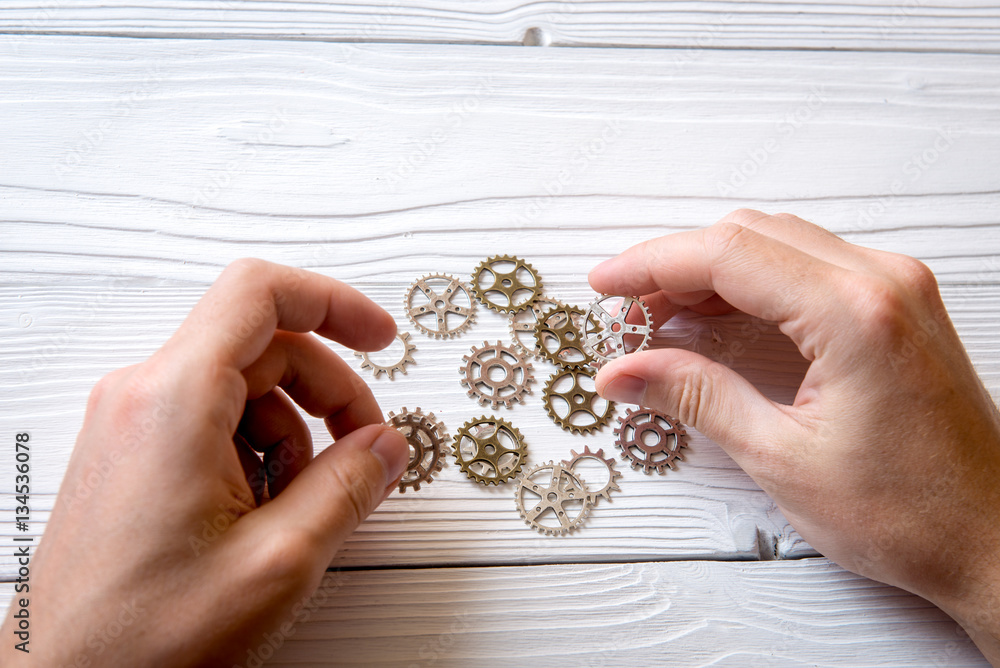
[[625, 389], [391, 449]]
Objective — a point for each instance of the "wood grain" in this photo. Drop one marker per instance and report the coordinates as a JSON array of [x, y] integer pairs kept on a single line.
[[682, 614], [691, 26]]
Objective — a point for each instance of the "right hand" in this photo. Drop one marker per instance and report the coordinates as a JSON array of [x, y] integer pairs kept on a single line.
[[888, 461]]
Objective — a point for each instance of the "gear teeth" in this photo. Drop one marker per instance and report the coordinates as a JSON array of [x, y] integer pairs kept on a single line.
[[589, 397], [433, 443], [418, 311], [521, 326], [613, 474], [400, 366], [515, 284]]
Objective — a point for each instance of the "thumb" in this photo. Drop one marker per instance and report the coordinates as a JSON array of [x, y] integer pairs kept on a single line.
[[341, 486], [707, 395]]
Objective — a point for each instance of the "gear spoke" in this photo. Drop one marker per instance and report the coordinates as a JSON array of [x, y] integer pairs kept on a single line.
[[606, 340], [423, 300]]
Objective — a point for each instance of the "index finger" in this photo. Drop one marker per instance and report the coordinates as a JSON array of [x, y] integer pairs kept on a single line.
[[235, 320], [753, 272]]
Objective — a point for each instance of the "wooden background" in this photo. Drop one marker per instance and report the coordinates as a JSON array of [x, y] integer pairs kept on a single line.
[[146, 145]]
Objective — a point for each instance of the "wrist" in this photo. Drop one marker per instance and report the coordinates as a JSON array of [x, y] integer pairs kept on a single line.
[[975, 604]]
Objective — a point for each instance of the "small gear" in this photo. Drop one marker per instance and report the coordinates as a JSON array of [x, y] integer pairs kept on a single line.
[[608, 462], [552, 499], [391, 369], [650, 440], [559, 337], [428, 446], [440, 306], [506, 283], [490, 450], [574, 407], [496, 374], [605, 329], [522, 325]]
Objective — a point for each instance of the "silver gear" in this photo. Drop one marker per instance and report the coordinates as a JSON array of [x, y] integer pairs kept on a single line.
[[522, 280], [562, 499], [428, 446], [604, 333], [522, 325], [490, 450], [390, 370], [578, 401], [609, 463], [661, 451], [432, 299], [495, 374], [560, 339]]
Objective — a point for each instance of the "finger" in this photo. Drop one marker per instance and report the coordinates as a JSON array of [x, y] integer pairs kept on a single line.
[[253, 468], [272, 425], [752, 272], [340, 488], [707, 395], [235, 320], [317, 379], [663, 306]]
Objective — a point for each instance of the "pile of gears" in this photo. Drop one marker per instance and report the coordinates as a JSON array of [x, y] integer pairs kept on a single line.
[[553, 498]]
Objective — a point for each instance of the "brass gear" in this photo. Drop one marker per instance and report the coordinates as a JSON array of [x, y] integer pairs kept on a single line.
[[609, 463], [559, 338], [522, 325], [490, 450], [435, 304], [604, 330], [511, 290], [576, 400], [390, 370], [552, 499], [657, 453], [428, 446], [496, 374]]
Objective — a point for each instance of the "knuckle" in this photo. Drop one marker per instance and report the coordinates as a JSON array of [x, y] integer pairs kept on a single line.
[[726, 237], [693, 393], [882, 309], [916, 276], [245, 269], [745, 216]]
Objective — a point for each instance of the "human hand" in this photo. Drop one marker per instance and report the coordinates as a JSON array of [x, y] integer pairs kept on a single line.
[[888, 461], [161, 550]]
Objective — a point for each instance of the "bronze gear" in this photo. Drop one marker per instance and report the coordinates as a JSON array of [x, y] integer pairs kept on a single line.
[[522, 325], [428, 446], [578, 401], [560, 339], [518, 287], [641, 451], [490, 450]]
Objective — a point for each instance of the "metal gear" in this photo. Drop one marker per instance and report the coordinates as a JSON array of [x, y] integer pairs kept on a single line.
[[649, 439], [604, 330], [608, 462], [552, 499], [566, 404], [559, 337], [496, 374], [428, 446], [436, 305], [404, 359], [522, 325], [511, 290], [490, 450]]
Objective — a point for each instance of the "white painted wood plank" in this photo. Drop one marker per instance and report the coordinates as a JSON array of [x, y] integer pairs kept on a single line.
[[872, 24], [688, 614]]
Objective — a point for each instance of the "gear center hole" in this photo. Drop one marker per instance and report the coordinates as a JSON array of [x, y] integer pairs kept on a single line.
[[616, 327], [490, 449], [496, 372], [578, 399], [552, 497], [439, 303], [506, 282]]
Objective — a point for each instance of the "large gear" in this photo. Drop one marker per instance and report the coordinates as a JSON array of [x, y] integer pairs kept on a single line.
[[604, 329], [567, 400], [552, 499], [522, 325], [559, 337], [440, 306], [391, 369], [490, 450], [649, 439], [612, 483], [428, 446], [496, 374], [506, 291]]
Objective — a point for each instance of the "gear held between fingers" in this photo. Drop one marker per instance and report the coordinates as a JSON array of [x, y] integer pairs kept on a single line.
[[650, 440], [441, 306], [428, 446], [572, 401], [607, 332], [490, 450], [391, 369], [506, 284]]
